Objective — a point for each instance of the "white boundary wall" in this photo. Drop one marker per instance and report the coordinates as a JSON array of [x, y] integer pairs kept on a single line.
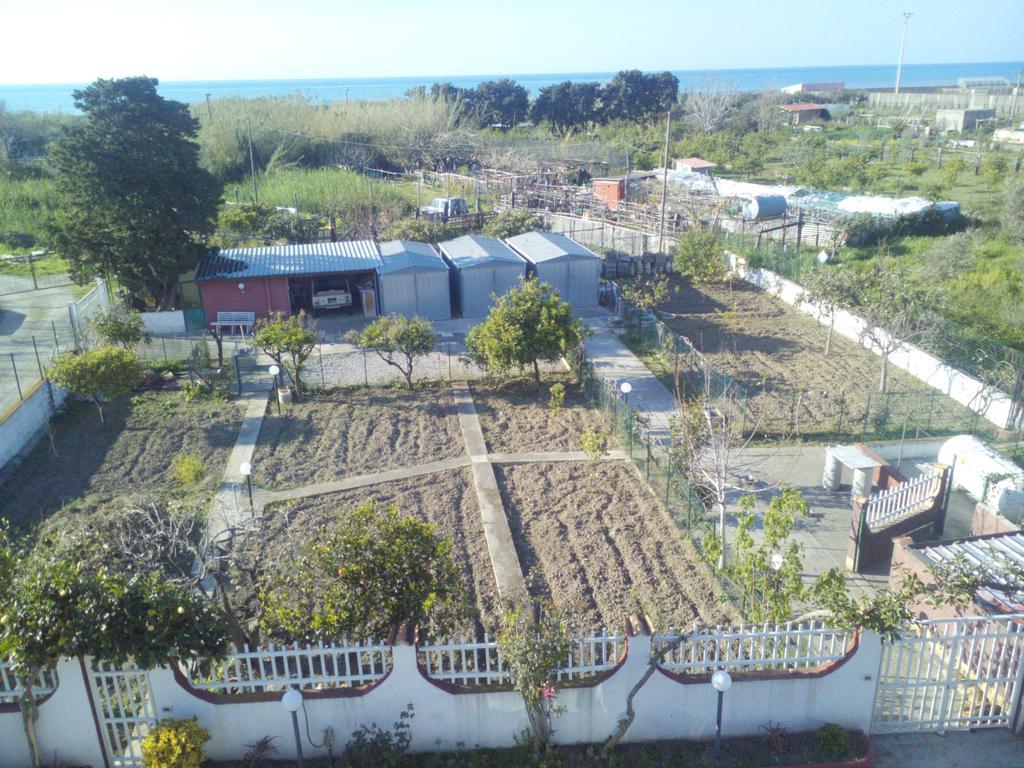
[[25, 421], [164, 323], [993, 405], [666, 708]]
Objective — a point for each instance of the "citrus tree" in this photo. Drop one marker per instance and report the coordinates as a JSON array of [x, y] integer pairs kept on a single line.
[[119, 326], [700, 255], [372, 572], [101, 373], [289, 342], [528, 324], [398, 341]]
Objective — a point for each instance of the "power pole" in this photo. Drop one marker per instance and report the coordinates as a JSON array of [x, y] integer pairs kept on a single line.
[[903, 45], [1016, 92], [625, 188], [664, 184], [209, 109], [252, 165]]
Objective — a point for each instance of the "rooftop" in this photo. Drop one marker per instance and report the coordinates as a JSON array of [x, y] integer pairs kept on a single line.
[[290, 260], [696, 162], [803, 106], [546, 246], [472, 250], [397, 255], [992, 550]]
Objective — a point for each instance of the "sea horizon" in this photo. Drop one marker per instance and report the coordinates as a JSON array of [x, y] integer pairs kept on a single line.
[[57, 97]]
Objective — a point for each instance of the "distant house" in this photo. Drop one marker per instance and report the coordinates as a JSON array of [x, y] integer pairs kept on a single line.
[[805, 112], [611, 190], [960, 120], [695, 165], [1008, 135], [813, 87]]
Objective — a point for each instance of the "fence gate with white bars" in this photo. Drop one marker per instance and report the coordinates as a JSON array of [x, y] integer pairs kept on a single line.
[[123, 700], [951, 674]]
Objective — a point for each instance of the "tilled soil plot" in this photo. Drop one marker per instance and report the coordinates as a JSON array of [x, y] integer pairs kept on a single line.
[[776, 354], [516, 416], [591, 535], [356, 431], [132, 453], [446, 499]]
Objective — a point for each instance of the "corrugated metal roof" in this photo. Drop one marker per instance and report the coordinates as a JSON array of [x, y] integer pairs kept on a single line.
[[290, 260], [473, 250], [409, 254], [992, 550], [536, 247]]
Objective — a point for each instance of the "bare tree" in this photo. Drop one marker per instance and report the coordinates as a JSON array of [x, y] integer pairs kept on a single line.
[[709, 105]]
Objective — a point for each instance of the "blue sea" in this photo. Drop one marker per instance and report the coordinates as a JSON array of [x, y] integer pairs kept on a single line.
[[56, 97]]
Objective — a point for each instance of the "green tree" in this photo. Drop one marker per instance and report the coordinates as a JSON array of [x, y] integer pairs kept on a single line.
[[134, 201], [700, 255], [101, 373], [637, 96], [120, 326], [289, 342], [512, 223], [1013, 211], [422, 230], [767, 573], [567, 106], [825, 289], [994, 168], [398, 341], [528, 324], [371, 573], [500, 102], [56, 602], [534, 641]]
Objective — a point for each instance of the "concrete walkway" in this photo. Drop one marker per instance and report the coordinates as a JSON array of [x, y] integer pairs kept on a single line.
[[613, 361], [231, 504], [996, 748], [508, 573]]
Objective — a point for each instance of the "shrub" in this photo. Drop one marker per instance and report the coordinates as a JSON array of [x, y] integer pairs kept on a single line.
[[188, 469], [511, 223], [175, 743], [557, 397], [833, 740], [594, 442], [373, 747]]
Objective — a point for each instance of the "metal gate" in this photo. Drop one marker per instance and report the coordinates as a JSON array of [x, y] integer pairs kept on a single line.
[[126, 711], [951, 674]]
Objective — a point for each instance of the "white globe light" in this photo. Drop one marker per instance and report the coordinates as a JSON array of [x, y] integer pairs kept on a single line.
[[721, 681], [274, 370], [245, 469], [625, 387], [292, 700], [776, 561]]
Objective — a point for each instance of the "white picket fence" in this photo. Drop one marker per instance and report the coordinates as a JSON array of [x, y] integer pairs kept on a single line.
[[912, 496], [752, 648], [309, 667], [11, 690], [480, 663]]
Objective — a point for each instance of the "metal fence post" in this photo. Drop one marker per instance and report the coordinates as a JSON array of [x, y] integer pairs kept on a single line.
[[648, 457], [448, 346], [56, 342], [320, 353], [366, 373], [238, 373], [163, 343], [17, 381]]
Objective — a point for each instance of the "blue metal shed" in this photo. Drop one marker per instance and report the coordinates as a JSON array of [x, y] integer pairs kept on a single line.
[[570, 268], [482, 268], [413, 281]]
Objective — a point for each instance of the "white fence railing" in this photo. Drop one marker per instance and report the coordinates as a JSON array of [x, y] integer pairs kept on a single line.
[[886, 506], [480, 663], [309, 667], [761, 648], [11, 690]]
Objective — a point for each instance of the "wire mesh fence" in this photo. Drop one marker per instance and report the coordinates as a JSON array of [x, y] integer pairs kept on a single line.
[[31, 272]]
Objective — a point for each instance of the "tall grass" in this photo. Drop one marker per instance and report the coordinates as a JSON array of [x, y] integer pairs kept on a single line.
[[25, 206], [319, 191]]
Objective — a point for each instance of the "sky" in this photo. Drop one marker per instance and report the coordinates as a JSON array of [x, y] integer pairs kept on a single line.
[[73, 41]]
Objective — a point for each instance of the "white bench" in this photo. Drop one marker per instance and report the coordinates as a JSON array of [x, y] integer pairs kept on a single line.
[[244, 321]]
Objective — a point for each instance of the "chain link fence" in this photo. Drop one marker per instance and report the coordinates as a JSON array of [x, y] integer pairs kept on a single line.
[[33, 272]]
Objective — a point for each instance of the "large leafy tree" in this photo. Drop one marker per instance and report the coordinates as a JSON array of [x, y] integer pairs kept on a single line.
[[528, 324], [372, 572], [638, 96], [134, 200], [567, 106], [500, 101]]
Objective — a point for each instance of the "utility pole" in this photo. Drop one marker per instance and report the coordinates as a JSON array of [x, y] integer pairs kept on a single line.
[[664, 184], [209, 109], [252, 165], [625, 188], [1016, 92], [903, 45]]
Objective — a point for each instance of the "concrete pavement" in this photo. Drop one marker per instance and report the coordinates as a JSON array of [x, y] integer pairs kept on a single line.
[[996, 748]]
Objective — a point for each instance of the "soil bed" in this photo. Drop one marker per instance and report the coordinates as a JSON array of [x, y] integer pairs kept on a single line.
[[516, 417], [356, 431], [446, 499], [776, 354], [132, 453], [593, 536]]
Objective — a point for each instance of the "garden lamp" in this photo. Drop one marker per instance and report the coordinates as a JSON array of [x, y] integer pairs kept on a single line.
[[274, 371], [721, 681], [625, 388], [246, 470], [292, 702]]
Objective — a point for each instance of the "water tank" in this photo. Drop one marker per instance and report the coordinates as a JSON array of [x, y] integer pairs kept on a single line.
[[983, 472], [758, 207]]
